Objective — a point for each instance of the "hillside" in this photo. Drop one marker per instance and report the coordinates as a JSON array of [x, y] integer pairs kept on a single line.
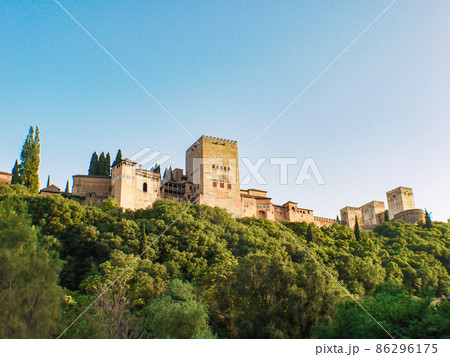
[[183, 271]]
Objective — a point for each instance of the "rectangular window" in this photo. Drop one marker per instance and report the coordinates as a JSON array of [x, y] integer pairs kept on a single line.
[[214, 184], [229, 186], [246, 204], [222, 185]]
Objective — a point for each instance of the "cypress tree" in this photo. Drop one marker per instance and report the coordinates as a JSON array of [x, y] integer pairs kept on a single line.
[[30, 160], [48, 180], [118, 157], [93, 166], [108, 165], [15, 174], [102, 165], [309, 233], [357, 230], [337, 219], [386, 216], [67, 190], [428, 223]]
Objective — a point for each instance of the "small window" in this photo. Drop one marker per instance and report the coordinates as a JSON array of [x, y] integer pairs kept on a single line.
[[222, 185], [144, 187], [214, 166], [214, 184], [228, 169], [245, 204], [229, 186]]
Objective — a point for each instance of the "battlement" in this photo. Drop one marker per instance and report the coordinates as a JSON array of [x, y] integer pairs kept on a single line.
[[212, 140], [399, 189]]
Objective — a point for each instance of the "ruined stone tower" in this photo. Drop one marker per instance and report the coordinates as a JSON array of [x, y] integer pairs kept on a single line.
[[212, 165]]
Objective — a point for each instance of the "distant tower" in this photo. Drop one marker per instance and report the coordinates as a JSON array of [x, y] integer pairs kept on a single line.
[[212, 165], [399, 199]]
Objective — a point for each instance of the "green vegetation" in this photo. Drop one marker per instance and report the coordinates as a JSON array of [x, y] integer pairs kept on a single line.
[[15, 174], [26, 173], [93, 165], [211, 276], [101, 165]]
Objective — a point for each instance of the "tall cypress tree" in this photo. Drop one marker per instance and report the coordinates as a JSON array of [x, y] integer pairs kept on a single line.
[[93, 166], [30, 160], [67, 190], [386, 216], [15, 174], [309, 233], [108, 165], [357, 230], [102, 165], [48, 180], [118, 157]]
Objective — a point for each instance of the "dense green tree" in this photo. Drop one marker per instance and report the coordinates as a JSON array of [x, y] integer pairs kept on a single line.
[[177, 314], [276, 298], [428, 222], [118, 157], [30, 298], [108, 165], [309, 233], [15, 174], [94, 165], [30, 160], [393, 307], [252, 276], [102, 165], [357, 229]]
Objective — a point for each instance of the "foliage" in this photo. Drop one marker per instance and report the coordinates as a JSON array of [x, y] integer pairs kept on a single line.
[[30, 160], [15, 179], [177, 314], [396, 310], [428, 223], [30, 297], [118, 157], [94, 165], [224, 277]]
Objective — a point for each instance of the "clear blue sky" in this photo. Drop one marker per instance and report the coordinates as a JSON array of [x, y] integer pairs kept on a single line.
[[378, 119]]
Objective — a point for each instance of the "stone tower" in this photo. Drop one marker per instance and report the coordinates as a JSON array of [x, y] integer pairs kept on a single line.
[[212, 165], [399, 199], [134, 187]]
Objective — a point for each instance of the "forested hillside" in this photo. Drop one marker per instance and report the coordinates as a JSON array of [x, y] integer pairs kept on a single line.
[[211, 276]]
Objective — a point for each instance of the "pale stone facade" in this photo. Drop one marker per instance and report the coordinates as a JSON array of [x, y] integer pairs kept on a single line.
[[349, 215], [212, 178], [134, 187], [5, 177], [400, 208], [399, 199], [95, 189]]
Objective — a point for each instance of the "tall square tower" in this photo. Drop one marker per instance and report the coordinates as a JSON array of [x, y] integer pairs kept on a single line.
[[212, 165], [399, 199]]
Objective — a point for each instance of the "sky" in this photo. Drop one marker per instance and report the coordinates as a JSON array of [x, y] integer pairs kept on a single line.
[[378, 118]]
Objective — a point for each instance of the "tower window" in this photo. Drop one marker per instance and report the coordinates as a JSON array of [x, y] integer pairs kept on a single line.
[[229, 186], [222, 185], [214, 184], [214, 166], [144, 187]]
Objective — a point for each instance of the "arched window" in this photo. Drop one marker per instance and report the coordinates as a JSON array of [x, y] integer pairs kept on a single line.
[[144, 188]]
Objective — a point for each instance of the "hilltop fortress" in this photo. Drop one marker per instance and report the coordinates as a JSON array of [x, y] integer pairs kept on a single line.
[[212, 178]]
